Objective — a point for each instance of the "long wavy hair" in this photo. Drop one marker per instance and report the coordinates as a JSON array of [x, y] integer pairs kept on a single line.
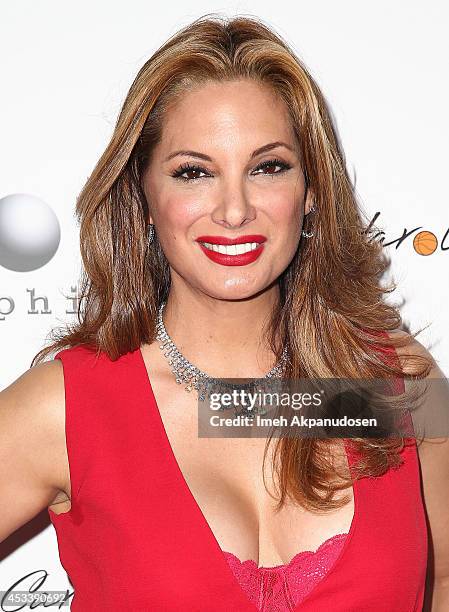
[[332, 314]]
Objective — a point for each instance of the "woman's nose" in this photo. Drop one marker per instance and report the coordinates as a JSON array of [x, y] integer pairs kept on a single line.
[[234, 208]]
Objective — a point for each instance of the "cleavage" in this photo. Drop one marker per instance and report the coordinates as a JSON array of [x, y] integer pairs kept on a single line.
[[224, 476], [240, 512]]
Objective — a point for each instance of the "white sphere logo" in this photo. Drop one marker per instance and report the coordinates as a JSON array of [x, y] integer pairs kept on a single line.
[[29, 232]]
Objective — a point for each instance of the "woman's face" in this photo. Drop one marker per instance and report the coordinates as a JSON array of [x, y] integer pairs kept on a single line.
[[227, 166]]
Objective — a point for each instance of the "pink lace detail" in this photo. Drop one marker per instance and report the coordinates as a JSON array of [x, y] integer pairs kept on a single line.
[[282, 587]]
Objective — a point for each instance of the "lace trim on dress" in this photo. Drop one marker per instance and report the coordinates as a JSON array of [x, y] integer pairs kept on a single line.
[[280, 588]]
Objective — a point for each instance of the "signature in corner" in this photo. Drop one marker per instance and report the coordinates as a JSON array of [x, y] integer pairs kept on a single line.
[[21, 594]]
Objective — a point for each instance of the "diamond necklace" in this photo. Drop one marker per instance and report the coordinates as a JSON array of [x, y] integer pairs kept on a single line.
[[185, 372]]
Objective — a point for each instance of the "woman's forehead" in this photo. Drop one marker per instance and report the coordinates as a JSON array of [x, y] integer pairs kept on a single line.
[[225, 115]]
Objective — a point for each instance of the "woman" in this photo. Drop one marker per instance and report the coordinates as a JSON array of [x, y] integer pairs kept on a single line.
[[224, 138]]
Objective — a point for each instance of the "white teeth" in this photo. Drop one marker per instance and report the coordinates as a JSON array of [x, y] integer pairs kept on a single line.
[[233, 249]]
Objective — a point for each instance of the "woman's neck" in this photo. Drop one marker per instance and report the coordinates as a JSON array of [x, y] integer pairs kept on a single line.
[[223, 338]]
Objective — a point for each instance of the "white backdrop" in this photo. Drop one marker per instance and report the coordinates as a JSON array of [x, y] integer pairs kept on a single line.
[[65, 69]]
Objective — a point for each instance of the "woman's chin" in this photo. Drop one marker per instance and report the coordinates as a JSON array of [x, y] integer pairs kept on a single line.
[[234, 289]]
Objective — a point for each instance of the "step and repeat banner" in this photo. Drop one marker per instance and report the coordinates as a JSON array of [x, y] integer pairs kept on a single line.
[[65, 70]]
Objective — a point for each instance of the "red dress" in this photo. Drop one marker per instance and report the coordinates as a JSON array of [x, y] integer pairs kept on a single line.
[[135, 537]]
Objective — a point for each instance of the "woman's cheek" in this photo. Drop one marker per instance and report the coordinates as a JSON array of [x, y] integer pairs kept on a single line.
[[185, 209], [283, 210]]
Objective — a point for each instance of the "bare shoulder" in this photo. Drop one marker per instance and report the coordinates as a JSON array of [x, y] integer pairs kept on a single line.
[[411, 347], [37, 397], [32, 440], [415, 348]]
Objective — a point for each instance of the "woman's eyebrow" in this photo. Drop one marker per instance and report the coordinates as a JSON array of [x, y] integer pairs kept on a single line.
[[255, 153]]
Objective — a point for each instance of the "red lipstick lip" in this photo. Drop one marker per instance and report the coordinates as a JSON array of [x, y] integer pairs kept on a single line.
[[229, 241], [233, 260]]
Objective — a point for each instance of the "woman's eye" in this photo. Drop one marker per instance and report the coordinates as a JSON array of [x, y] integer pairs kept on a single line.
[[189, 173], [272, 166]]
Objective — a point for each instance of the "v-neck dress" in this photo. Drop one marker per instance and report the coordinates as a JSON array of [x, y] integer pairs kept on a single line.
[[135, 537]]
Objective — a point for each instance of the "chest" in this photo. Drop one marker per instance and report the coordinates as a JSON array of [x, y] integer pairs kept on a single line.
[[236, 491]]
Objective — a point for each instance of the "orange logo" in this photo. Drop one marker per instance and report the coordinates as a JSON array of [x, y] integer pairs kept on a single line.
[[425, 243]]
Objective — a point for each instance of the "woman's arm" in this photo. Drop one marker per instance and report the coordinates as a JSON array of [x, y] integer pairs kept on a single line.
[[33, 454], [434, 460]]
